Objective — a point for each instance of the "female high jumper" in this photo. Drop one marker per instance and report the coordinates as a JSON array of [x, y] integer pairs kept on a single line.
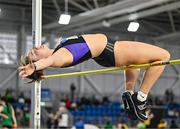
[[76, 49]]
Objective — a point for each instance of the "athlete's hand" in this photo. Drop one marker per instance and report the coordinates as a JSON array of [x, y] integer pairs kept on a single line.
[[26, 70]]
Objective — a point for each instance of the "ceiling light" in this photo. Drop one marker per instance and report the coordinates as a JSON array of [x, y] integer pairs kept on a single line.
[[106, 23], [133, 26], [64, 19]]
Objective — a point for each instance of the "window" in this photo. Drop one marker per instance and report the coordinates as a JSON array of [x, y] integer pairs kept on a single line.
[[8, 48]]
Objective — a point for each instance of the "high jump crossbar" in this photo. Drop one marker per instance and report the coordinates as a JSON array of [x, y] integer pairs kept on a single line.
[[107, 70]]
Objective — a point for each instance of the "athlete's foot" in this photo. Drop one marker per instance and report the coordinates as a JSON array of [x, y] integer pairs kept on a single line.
[[128, 105], [139, 107]]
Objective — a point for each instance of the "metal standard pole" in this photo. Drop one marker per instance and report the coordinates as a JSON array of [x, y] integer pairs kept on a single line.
[[36, 89]]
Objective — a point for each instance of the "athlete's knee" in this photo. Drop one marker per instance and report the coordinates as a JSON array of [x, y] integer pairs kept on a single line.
[[167, 55], [102, 36]]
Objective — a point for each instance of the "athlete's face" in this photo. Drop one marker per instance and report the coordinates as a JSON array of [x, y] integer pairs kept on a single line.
[[39, 52]]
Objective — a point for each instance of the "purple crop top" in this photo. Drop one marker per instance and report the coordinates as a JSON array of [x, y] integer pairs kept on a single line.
[[78, 47]]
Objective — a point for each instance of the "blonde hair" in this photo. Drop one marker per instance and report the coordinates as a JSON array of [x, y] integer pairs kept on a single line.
[[36, 75]]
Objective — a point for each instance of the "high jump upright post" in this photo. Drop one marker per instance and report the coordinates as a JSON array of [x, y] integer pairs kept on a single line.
[[36, 89]]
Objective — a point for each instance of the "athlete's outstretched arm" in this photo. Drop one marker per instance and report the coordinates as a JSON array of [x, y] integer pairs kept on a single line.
[[38, 65], [59, 59]]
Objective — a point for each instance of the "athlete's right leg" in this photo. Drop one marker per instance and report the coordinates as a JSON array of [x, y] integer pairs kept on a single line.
[[131, 77]]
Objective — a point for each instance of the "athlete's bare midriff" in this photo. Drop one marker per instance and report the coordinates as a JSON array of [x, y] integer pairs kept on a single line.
[[96, 43]]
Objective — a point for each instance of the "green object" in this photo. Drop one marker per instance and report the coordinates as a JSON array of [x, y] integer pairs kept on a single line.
[[108, 126], [8, 112], [27, 117], [141, 126]]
